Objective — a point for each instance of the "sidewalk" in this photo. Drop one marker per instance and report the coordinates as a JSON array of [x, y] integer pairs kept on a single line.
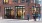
[[18, 21]]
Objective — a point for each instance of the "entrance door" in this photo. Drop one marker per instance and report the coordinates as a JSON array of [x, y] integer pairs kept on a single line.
[[9, 14], [20, 10]]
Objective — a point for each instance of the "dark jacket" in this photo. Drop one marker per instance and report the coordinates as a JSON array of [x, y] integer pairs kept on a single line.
[[28, 15]]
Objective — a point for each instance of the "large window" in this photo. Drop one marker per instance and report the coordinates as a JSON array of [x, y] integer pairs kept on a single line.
[[8, 13], [5, 1], [15, 1], [33, 10], [27, 1], [20, 10], [38, 9], [22, 1]]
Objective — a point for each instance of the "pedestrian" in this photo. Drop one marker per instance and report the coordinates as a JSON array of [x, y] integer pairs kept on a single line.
[[39, 16], [34, 17], [28, 16]]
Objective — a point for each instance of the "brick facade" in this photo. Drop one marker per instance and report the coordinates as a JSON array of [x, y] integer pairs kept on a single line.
[[13, 4]]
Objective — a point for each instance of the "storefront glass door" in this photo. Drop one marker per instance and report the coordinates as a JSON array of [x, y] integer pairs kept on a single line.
[[8, 13], [20, 10]]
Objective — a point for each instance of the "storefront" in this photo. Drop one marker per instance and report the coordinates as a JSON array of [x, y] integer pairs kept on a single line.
[[9, 12], [36, 11], [20, 12]]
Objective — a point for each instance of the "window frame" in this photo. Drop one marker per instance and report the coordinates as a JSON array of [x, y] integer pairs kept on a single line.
[[22, 1], [5, 1], [22, 8], [15, 1], [27, 1]]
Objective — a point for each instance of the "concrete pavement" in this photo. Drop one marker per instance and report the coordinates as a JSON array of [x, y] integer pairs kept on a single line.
[[18, 21]]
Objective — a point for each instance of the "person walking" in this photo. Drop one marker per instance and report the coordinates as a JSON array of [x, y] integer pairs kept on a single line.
[[28, 16], [39, 16], [34, 17]]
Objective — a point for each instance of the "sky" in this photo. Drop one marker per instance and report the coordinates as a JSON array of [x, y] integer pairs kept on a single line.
[[40, 2]]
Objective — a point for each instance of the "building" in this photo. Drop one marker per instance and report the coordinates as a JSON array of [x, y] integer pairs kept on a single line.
[[18, 8]]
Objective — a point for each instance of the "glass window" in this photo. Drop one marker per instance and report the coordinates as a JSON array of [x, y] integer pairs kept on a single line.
[[34, 1], [7, 12], [33, 10], [37, 8], [15, 0], [37, 1], [27, 1], [20, 11], [5, 1], [22, 1]]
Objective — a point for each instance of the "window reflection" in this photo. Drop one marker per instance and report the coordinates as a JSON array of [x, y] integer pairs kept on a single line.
[[20, 11], [5, 1]]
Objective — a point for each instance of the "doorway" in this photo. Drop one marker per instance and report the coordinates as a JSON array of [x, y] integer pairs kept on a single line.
[[8, 13], [20, 12]]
